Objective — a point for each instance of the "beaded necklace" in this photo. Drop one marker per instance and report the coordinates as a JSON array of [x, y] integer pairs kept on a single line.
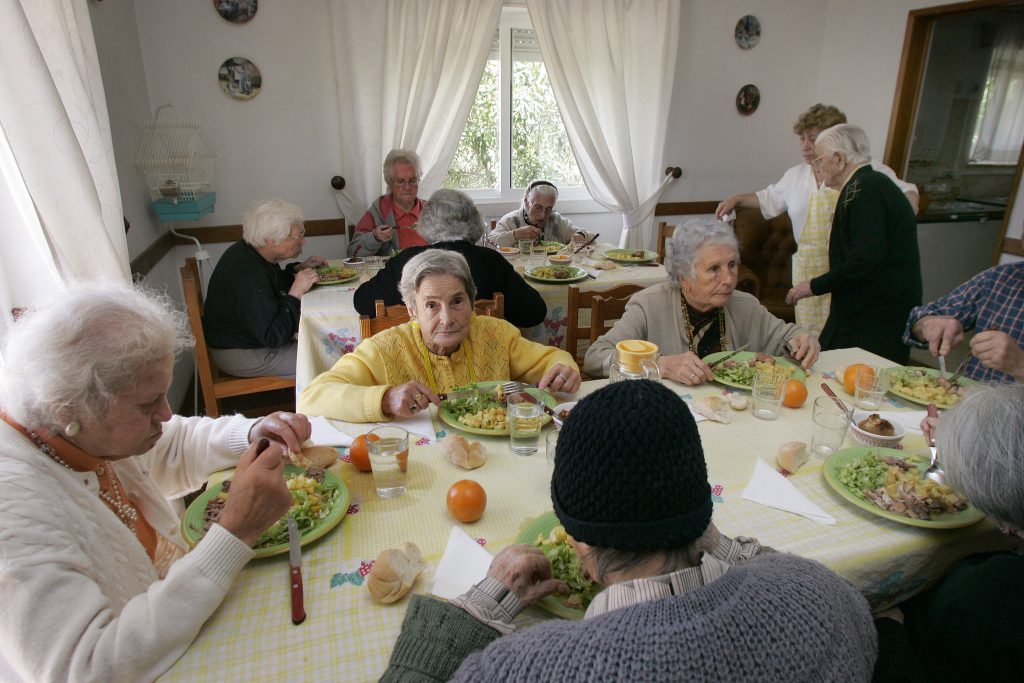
[[425, 354], [694, 343]]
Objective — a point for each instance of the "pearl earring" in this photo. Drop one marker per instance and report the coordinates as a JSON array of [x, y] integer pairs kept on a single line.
[[72, 428]]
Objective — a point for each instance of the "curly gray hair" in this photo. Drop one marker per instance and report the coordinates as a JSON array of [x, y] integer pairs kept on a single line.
[[431, 263], [269, 219], [400, 156], [450, 215], [68, 358], [980, 442], [849, 140], [688, 239]]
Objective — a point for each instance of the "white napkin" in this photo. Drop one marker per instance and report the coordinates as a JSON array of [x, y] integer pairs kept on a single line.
[[911, 420], [696, 416], [768, 487], [464, 564], [419, 424], [325, 434]]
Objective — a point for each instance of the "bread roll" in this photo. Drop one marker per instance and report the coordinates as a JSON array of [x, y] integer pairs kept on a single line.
[[738, 401], [460, 451], [314, 456], [714, 408], [791, 455], [394, 572]]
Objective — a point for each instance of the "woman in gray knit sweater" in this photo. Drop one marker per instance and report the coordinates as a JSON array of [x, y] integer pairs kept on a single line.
[[682, 602]]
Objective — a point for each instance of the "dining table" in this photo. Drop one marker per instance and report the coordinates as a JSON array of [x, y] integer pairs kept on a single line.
[[329, 323], [347, 636]]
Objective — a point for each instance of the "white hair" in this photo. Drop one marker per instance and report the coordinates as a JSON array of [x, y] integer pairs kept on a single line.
[[400, 156], [689, 238], [68, 358], [980, 443], [539, 188], [849, 140], [269, 219], [432, 263], [450, 215]]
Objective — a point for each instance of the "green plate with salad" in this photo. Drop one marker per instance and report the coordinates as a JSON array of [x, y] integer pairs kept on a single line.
[[335, 276], [484, 400], [565, 565], [742, 376], [629, 256], [312, 525], [551, 246], [851, 470], [556, 274], [921, 386]]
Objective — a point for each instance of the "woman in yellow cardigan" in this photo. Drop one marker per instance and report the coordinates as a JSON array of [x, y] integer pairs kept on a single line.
[[400, 371]]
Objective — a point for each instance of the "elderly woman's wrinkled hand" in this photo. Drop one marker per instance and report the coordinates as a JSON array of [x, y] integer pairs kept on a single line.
[[928, 426], [561, 377], [312, 262], [525, 571], [407, 399], [290, 429], [687, 368], [799, 291], [382, 233], [304, 281], [805, 348], [259, 495]]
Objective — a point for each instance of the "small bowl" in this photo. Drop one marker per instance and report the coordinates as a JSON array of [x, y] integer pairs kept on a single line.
[[560, 259], [877, 440], [354, 262], [567, 407], [509, 252]]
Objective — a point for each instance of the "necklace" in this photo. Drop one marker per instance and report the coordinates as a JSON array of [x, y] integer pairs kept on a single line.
[[694, 343], [429, 366]]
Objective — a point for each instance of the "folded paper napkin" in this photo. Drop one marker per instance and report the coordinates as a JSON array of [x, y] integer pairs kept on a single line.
[[768, 487], [464, 564], [911, 420], [419, 424], [326, 434]]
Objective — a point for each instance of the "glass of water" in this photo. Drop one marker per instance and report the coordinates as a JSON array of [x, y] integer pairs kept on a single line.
[[870, 386], [767, 392], [524, 423], [389, 460], [830, 423]]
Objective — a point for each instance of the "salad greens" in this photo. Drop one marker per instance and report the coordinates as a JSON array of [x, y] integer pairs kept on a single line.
[[474, 403], [566, 565], [311, 502], [863, 474], [738, 374]]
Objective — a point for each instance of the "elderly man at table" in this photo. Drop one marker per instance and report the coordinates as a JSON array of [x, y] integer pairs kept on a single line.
[[400, 371], [537, 220], [451, 221], [389, 225], [698, 311], [252, 303], [990, 301], [96, 580], [682, 602], [969, 627], [874, 272]]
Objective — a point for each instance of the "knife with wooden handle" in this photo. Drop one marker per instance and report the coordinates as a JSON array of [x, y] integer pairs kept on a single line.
[[295, 574], [728, 356]]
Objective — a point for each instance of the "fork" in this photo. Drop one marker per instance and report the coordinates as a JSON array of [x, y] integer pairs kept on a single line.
[[508, 388]]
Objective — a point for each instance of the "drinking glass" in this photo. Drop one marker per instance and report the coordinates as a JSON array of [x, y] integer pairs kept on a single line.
[[538, 255], [525, 248], [829, 430], [870, 386], [767, 392], [524, 423], [389, 460]]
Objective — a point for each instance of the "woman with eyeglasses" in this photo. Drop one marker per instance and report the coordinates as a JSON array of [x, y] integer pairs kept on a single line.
[[252, 304], [389, 225], [537, 220]]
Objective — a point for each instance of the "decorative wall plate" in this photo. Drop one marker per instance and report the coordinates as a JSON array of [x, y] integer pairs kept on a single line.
[[748, 99], [239, 78], [748, 31], [239, 11]]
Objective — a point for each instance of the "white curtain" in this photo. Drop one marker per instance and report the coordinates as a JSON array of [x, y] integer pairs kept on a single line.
[[407, 73], [54, 116], [612, 65], [1000, 130]]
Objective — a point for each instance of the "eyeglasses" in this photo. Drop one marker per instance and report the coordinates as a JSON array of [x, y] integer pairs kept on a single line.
[[816, 161], [298, 238], [406, 183]]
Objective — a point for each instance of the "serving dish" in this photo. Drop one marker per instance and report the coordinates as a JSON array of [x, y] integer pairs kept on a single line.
[[871, 439]]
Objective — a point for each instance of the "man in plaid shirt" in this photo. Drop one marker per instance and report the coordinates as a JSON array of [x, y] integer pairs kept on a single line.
[[993, 302]]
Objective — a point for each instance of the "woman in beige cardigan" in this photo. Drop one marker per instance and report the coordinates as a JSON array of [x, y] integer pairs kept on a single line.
[[698, 311]]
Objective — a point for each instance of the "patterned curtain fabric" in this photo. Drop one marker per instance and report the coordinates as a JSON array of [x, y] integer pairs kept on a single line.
[[1000, 131]]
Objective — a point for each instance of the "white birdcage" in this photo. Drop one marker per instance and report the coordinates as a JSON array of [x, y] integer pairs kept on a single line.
[[177, 161]]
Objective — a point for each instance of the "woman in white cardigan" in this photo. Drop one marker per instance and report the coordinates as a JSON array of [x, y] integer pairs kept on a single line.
[[698, 311], [96, 581]]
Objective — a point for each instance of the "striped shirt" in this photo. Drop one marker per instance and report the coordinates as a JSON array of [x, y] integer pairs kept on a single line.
[[991, 300]]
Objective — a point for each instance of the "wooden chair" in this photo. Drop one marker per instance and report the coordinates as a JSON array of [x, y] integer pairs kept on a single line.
[[215, 384], [664, 232], [614, 299], [385, 317], [748, 280]]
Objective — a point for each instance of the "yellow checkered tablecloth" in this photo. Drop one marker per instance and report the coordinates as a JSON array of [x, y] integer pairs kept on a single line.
[[329, 325], [348, 637]]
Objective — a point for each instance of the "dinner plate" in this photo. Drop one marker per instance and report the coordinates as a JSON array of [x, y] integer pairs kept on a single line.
[[542, 526], [962, 381], [625, 256], [552, 246], [744, 356], [192, 522], [449, 418], [946, 520], [346, 275], [576, 274]]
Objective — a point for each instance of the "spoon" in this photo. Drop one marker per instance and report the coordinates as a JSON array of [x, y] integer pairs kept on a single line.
[[934, 471]]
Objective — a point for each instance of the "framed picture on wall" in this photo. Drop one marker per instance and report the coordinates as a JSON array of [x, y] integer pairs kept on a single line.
[[748, 99], [236, 11], [240, 78], [748, 31]]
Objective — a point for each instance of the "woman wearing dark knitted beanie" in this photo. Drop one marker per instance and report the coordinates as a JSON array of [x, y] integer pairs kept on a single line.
[[681, 603]]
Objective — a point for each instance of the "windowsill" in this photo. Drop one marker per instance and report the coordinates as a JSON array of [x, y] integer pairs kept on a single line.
[[496, 207]]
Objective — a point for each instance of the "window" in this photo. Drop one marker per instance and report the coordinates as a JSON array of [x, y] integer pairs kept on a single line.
[[514, 133], [999, 127]]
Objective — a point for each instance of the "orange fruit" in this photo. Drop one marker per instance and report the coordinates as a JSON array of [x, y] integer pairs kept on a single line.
[[850, 376], [796, 394], [359, 452], [467, 500]]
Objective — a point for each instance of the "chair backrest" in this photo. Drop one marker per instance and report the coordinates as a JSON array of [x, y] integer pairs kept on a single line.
[[388, 316], [192, 288], [604, 311], [579, 301], [664, 232]]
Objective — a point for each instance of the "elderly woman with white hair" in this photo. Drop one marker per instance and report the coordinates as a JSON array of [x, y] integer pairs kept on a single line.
[[699, 311], [389, 225], [874, 273], [96, 581], [969, 627], [537, 220], [451, 221], [252, 303], [400, 371]]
